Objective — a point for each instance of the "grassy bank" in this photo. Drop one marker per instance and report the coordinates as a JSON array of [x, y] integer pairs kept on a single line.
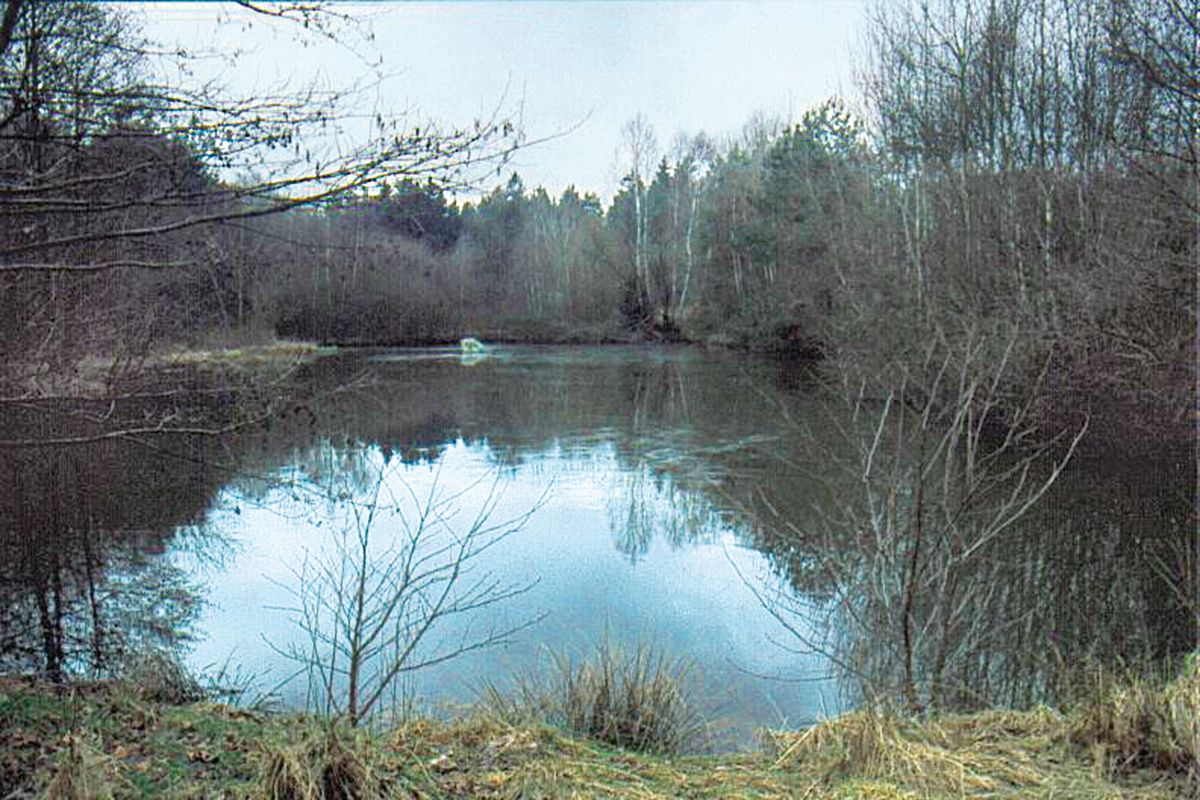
[[247, 355], [102, 740], [89, 376]]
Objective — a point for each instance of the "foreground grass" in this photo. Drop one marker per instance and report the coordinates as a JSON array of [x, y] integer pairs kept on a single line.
[[97, 740], [635, 699]]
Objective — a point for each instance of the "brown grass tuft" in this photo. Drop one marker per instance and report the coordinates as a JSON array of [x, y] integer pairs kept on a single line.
[[158, 676], [1137, 726], [322, 768], [344, 774], [636, 699], [79, 774]]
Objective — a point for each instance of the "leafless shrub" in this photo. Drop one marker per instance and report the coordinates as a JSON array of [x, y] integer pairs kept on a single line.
[[905, 545], [372, 608]]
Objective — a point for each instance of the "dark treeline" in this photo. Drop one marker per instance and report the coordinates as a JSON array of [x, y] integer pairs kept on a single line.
[[1022, 169]]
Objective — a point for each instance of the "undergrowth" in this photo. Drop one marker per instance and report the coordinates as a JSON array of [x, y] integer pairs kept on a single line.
[[1134, 724]]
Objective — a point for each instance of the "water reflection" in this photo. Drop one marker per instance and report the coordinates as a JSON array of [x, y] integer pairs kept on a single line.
[[947, 593], [85, 576], [672, 583], [682, 495]]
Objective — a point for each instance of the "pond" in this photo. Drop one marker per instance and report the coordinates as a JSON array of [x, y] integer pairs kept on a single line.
[[616, 456], [632, 494]]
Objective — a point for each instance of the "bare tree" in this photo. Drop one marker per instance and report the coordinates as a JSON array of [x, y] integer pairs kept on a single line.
[[59, 114], [694, 157], [1160, 39], [110, 175], [374, 604], [905, 547], [638, 149]]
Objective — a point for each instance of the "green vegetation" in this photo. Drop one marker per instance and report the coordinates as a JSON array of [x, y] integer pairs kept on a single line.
[[99, 740]]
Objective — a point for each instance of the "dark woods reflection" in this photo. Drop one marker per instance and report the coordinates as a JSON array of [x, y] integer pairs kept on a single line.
[[85, 573], [1096, 576], [652, 504], [707, 444]]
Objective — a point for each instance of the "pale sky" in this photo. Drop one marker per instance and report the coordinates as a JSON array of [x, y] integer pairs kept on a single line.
[[583, 68]]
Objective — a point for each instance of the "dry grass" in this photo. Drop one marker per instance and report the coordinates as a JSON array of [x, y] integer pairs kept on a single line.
[[928, 756], [639, 699], [1137, 726], [79, 774], [287, 775], [1132, 742], [98, 375], [1038, 753], [248, 355], [323, 767]]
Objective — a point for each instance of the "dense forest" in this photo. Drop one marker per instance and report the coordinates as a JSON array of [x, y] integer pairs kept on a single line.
[[1024, 170]]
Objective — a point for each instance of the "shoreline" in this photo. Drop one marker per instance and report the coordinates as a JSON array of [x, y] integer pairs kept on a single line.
[[110, 736]]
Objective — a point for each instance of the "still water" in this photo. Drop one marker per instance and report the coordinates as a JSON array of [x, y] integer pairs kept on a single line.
[[656, 495], [601, 459]]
